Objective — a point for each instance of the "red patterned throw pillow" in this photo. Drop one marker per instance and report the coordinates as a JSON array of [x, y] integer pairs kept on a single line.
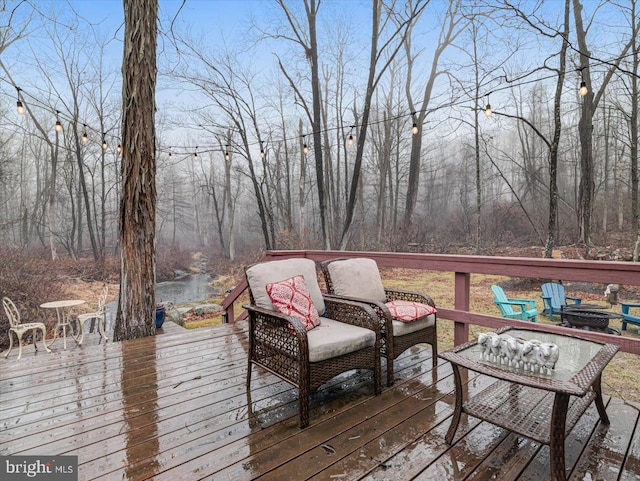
[[291, 297], [408, 311]]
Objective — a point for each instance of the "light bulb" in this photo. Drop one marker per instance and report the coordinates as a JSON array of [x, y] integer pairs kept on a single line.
[[414, 129], [305, 149], [85, 138], [226, 156], [262, 153], [119, 148], [104, 144], [20, 107], [583, 89], [58, 126], [195, 156], [170, 156], [350, 141], [487, 111]]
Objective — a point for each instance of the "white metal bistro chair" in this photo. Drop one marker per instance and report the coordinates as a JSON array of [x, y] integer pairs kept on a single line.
[[19, 328], [98, 316]]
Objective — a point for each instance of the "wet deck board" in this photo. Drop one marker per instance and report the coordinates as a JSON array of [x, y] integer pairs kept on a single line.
[[175, 406]]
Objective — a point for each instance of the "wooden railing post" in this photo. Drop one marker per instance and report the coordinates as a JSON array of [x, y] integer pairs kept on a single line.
[[462, 284]]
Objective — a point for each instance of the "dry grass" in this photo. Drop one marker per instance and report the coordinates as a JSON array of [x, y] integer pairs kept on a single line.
[[621, 377]]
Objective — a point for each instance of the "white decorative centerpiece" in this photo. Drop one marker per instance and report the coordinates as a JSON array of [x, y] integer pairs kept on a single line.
[[530, 355]]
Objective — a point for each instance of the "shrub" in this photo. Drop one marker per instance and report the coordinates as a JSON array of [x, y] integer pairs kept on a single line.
[[28, 282]]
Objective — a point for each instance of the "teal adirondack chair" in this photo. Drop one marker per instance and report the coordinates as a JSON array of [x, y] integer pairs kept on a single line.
[[627, 316], [554, 298], [526, 312]]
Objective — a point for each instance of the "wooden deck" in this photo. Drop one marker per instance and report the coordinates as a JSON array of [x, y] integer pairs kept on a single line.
[[175, 407]]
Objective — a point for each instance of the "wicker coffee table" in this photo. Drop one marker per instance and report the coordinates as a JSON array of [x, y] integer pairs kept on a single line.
[[542, 407]]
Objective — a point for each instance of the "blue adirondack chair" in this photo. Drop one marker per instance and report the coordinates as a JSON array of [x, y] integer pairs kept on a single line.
[[627, 316], [554, 299], [526, 312]]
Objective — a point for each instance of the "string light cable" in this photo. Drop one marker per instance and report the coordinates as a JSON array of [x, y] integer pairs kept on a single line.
[[23, 96]]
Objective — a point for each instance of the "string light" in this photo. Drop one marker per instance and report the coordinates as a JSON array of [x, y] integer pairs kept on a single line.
[[19, 106], [584, 90], [58, 124], [227, 155], [119, 148], [170, 155], [195, 154], [305, 147], [350, 141], [487, 109]]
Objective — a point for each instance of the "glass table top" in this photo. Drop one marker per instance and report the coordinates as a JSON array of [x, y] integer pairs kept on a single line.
[[573, 356]]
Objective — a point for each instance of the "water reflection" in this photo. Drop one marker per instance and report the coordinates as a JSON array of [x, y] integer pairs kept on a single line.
[[140, 406], [191, 288]]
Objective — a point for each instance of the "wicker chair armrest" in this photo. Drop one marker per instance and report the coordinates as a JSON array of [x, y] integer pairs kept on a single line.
[[290, 329], [412, 296], [353, 312]]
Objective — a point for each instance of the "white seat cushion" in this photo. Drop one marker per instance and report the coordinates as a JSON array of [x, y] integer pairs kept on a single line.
[[332, 339], [401, 328], [358, 277], [259, 275]]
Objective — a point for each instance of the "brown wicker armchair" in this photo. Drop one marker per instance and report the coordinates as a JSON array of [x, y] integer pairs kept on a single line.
[[358, 279], [347, 338]]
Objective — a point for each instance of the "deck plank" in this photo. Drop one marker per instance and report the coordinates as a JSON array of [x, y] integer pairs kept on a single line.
[[175, 406], [603, 457], [408, 428], [631, 466]]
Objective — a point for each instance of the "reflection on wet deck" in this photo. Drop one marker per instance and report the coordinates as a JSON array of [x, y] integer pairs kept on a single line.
[[175, 407]]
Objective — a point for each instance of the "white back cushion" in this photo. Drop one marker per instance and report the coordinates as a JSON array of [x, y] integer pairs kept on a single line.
[[358, 277], [261, 274]]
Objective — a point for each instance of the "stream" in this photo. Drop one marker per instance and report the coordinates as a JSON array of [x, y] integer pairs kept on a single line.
[[190, 288]]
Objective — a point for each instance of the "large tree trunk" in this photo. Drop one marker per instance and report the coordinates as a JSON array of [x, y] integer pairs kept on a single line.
[[136, 306]]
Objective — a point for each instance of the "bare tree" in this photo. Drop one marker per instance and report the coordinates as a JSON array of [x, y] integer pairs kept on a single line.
[[136, 303], [380, 58], [585, 125], [453, 24], [307, 38]]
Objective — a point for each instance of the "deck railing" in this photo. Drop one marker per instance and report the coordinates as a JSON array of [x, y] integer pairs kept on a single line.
[[601, 272]]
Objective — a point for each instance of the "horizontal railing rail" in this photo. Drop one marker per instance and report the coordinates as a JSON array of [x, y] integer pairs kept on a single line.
[[601, 272]]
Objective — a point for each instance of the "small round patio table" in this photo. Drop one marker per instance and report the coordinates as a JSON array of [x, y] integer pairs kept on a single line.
[[63, 312]]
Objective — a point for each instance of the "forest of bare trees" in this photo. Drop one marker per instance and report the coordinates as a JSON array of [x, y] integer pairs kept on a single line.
[[319, 127]]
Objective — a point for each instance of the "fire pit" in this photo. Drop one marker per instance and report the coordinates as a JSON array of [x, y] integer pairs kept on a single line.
[[590, 320]]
